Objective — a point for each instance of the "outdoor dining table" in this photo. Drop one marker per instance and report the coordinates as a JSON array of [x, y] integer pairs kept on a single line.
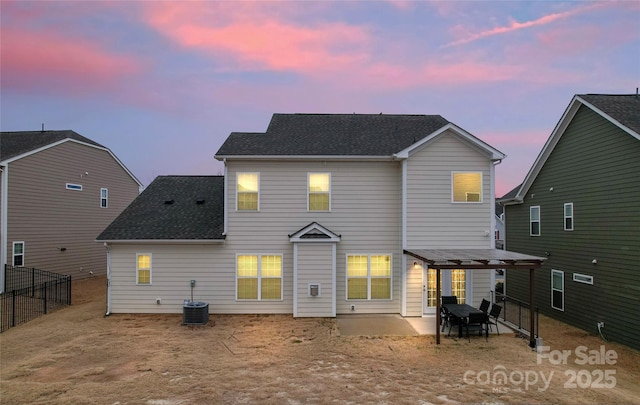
[[460, 311]]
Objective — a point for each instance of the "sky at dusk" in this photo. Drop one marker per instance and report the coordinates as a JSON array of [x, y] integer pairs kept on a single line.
[[162, 84]]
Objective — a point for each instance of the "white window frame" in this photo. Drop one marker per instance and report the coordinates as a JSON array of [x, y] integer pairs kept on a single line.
[[561, 273], [238, 191], [104, 198], [309, 192], [369, 277], [13, 253], [480, 192], [583, 278], [150, 269], [74, 187], [531, 221], [568, 216], [260, 277]]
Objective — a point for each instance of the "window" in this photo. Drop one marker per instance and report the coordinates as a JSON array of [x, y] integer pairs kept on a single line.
[[568, 217], [143, 269], [557, 289], [466, 187], [368, 277], [18, 254], [319, 191], [77, 187], [104, 196], [458, 285], [583, 278], [248, 189], [534, 221], [259, 277]]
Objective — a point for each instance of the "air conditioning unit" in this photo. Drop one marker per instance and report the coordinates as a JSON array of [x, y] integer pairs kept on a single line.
[[195, 313]]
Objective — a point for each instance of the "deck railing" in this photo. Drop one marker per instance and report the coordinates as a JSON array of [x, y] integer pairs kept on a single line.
[[516, 313]]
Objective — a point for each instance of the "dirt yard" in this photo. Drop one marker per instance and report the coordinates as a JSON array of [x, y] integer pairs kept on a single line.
[[78, 356]]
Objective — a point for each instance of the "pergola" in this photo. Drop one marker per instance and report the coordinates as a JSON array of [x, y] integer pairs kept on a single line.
[[478, 259]]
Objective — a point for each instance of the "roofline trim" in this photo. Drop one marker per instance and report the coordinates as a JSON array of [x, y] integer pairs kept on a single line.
[[610, 118], [305, 157], [163, 241]]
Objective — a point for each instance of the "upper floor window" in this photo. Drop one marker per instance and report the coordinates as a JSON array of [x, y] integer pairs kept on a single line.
[[143, 268], [466, 187], [259, 277], [368, 277], [18, 254], [248, 191], [568, 217], [319, 191], [534, 220], [104, 197]]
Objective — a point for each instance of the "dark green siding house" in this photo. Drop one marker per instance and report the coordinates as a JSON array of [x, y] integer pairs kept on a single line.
[[579, 206]]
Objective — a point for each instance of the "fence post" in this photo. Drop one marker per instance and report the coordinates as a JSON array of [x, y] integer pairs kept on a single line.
[[13, 308], [537, 324], [44, 301]]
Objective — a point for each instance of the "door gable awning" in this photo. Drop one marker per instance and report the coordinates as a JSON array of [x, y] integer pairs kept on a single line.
[[314, 232], [475, 259]]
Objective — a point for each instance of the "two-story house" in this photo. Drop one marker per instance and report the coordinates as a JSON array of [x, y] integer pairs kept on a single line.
[[579, 206], [58, 189], [314, 217]]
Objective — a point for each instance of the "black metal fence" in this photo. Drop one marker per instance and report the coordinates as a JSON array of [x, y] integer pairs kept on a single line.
[[516, 313], [30, 293]]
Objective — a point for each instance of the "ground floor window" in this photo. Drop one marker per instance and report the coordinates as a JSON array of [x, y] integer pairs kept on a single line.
[[143, 268], [368, 277], [557, 289], [456, 278], [18, 254], [259, 277]]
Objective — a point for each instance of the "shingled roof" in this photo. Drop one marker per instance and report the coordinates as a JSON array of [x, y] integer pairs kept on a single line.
[[13, 144], [624, 108], [333, 135], [173, 208]]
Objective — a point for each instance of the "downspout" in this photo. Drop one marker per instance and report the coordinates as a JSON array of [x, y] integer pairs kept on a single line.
[[106, 245], [226, 200], [4, 175]]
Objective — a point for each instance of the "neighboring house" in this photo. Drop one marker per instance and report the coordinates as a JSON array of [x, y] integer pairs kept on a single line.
[[58, 189], [580, 206], [312, 218], [499, 230]]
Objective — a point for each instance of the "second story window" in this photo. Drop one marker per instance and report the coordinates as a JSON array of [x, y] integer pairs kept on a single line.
[[466, 187], [534, 221], [104, 197], [568, 217], [319, 191], [248, 190]]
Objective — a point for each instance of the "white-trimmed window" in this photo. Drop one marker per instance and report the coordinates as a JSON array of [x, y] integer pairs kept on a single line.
[[18, 254], [248, 191], [466, 187], [104, 198], [143, 268], [319, 191], [368, 277], [557, 290], [259, 277], [534, 220], [459, 285], [568, 216], [71, 186], [583, 278]]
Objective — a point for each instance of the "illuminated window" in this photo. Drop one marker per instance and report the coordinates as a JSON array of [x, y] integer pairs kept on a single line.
[[248, 188], [18, 254], [568, 217], [459, 285], [104, 196], [259, 277], [143, 269], [319, 191], [368, 277], [557, 289], [534, 220], [466, 187]]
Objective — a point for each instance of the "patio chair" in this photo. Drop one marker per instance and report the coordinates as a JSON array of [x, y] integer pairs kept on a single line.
[[449, 299], [477, 322], [484, 306], [495, 312], [445, 317]]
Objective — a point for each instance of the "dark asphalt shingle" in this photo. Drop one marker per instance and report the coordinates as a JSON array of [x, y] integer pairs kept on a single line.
[[196, 211], [16, 143], [624, 108]]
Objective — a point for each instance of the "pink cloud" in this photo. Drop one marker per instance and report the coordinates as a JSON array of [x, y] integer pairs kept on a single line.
[[48, 60]]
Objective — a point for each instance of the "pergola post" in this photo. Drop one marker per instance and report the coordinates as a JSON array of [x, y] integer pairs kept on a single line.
[[437, 304], [533, 332]]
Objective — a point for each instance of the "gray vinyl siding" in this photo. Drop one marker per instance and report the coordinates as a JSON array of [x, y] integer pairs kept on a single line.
[[315, 266], [47, 216], [595, 166], [365, 211]]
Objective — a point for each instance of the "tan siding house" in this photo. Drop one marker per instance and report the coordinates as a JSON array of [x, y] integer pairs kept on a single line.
[[311, 218], [59, 191]]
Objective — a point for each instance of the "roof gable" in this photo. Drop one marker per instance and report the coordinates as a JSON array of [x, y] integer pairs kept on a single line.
[[173, 208], [369, 135], [621, 110], [314, 232]]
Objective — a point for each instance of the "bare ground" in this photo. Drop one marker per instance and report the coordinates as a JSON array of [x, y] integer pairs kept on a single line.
[[78, 356]]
